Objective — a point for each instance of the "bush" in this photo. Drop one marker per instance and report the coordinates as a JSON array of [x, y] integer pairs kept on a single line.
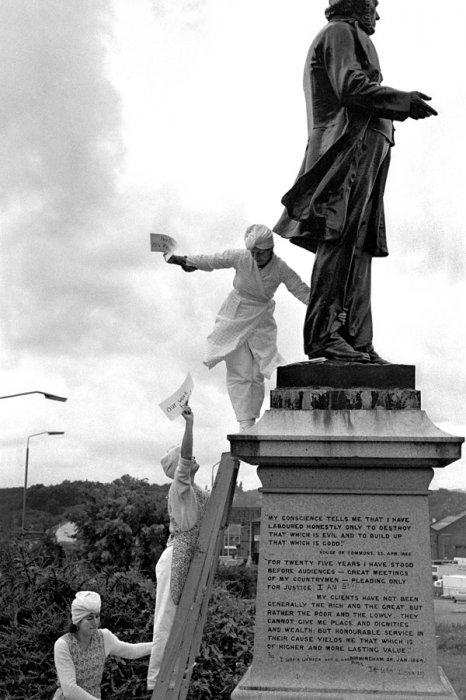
[[226, 650], [35, 602], [35, 598], [241, 580], [123, 525]]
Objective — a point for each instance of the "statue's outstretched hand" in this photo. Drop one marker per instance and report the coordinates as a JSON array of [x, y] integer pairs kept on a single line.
[[181, 261], [418, 108]]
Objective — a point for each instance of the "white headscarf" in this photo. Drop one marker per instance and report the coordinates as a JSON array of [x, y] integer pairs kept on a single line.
[[258, 236], [170, 461], [85, 602]]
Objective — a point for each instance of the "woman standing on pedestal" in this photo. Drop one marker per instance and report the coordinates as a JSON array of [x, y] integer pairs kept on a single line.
[[245, 332]]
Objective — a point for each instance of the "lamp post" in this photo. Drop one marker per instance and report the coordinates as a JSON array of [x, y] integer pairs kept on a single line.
[[52, 397], [44, 432]]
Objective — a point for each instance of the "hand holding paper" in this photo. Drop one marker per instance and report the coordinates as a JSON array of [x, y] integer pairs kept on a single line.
[[181, 261], [187, 413], [173, 406], [159, 243]]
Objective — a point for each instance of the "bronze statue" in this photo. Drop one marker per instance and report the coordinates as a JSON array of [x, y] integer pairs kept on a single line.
[[335, 207]]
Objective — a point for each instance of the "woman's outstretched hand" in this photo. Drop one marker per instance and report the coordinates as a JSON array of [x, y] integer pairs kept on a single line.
[[181, 261]]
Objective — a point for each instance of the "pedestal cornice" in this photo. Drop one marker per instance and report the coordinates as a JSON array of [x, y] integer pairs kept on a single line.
[[361, 438]]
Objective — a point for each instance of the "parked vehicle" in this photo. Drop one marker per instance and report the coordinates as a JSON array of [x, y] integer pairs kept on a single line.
[[454, 587], [448, 568]]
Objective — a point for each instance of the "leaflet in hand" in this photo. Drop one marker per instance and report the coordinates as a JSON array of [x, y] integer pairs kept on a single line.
[[159, 243], [173, 406]]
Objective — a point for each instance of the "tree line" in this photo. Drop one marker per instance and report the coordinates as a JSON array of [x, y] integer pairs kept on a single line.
[[47, 506]]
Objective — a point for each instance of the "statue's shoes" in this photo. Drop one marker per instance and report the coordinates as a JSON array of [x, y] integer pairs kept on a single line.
[[338, 349], [375, 358]]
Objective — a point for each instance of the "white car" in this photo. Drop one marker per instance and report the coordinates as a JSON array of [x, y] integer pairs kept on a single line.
[[459, 597]]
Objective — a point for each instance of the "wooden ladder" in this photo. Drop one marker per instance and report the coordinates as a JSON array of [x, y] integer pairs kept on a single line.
[[186, 634]]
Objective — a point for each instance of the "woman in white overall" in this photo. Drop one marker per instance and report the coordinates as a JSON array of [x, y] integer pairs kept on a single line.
[[245, 332], [80, 654]]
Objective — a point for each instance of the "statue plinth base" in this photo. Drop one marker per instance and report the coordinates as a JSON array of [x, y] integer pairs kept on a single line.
[[345, 601]]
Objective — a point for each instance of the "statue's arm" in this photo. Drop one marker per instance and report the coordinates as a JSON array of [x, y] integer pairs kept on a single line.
[[351, 83]]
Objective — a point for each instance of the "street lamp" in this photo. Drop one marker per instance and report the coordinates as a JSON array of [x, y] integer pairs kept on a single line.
[[52, 397], [44, 432]]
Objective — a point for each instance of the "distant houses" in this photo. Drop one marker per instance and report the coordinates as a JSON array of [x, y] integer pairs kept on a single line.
[[448, 537], [243, 533]]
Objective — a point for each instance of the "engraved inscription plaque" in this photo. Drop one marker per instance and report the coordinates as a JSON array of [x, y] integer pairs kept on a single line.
[[342, 589]]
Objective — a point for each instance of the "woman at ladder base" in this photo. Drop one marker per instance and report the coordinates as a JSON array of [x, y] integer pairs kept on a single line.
[[80, 654]]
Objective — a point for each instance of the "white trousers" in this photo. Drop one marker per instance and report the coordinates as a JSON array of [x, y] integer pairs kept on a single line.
[[164, 615], [245, 383]]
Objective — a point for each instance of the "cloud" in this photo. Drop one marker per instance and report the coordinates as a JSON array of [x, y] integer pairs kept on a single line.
[[185, 14], [61, 138], [61, 148]]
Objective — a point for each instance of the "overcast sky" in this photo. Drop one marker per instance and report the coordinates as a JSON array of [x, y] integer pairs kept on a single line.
[[186, 117]]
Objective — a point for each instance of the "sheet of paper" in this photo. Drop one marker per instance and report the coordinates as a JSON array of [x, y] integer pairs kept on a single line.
[[174, 404], [160, 243]]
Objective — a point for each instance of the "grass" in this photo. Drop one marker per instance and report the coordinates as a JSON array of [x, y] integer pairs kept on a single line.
[[451, 645]]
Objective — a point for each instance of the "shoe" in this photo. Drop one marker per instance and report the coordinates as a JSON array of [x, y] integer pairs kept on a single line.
[[338, 349], [374, 356]]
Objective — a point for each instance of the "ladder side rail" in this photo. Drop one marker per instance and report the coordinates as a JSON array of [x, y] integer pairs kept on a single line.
[[197, 636]]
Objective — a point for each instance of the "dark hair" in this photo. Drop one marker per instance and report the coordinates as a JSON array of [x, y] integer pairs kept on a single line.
[[346, 8], [360, 10], [73, 628]]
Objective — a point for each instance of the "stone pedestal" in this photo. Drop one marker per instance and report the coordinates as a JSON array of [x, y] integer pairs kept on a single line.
[[345, 602]]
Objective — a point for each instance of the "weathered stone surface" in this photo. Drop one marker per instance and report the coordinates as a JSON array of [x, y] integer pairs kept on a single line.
[[344, 590], [370, 439], [308, 399], [344, 604], [346, 376]]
